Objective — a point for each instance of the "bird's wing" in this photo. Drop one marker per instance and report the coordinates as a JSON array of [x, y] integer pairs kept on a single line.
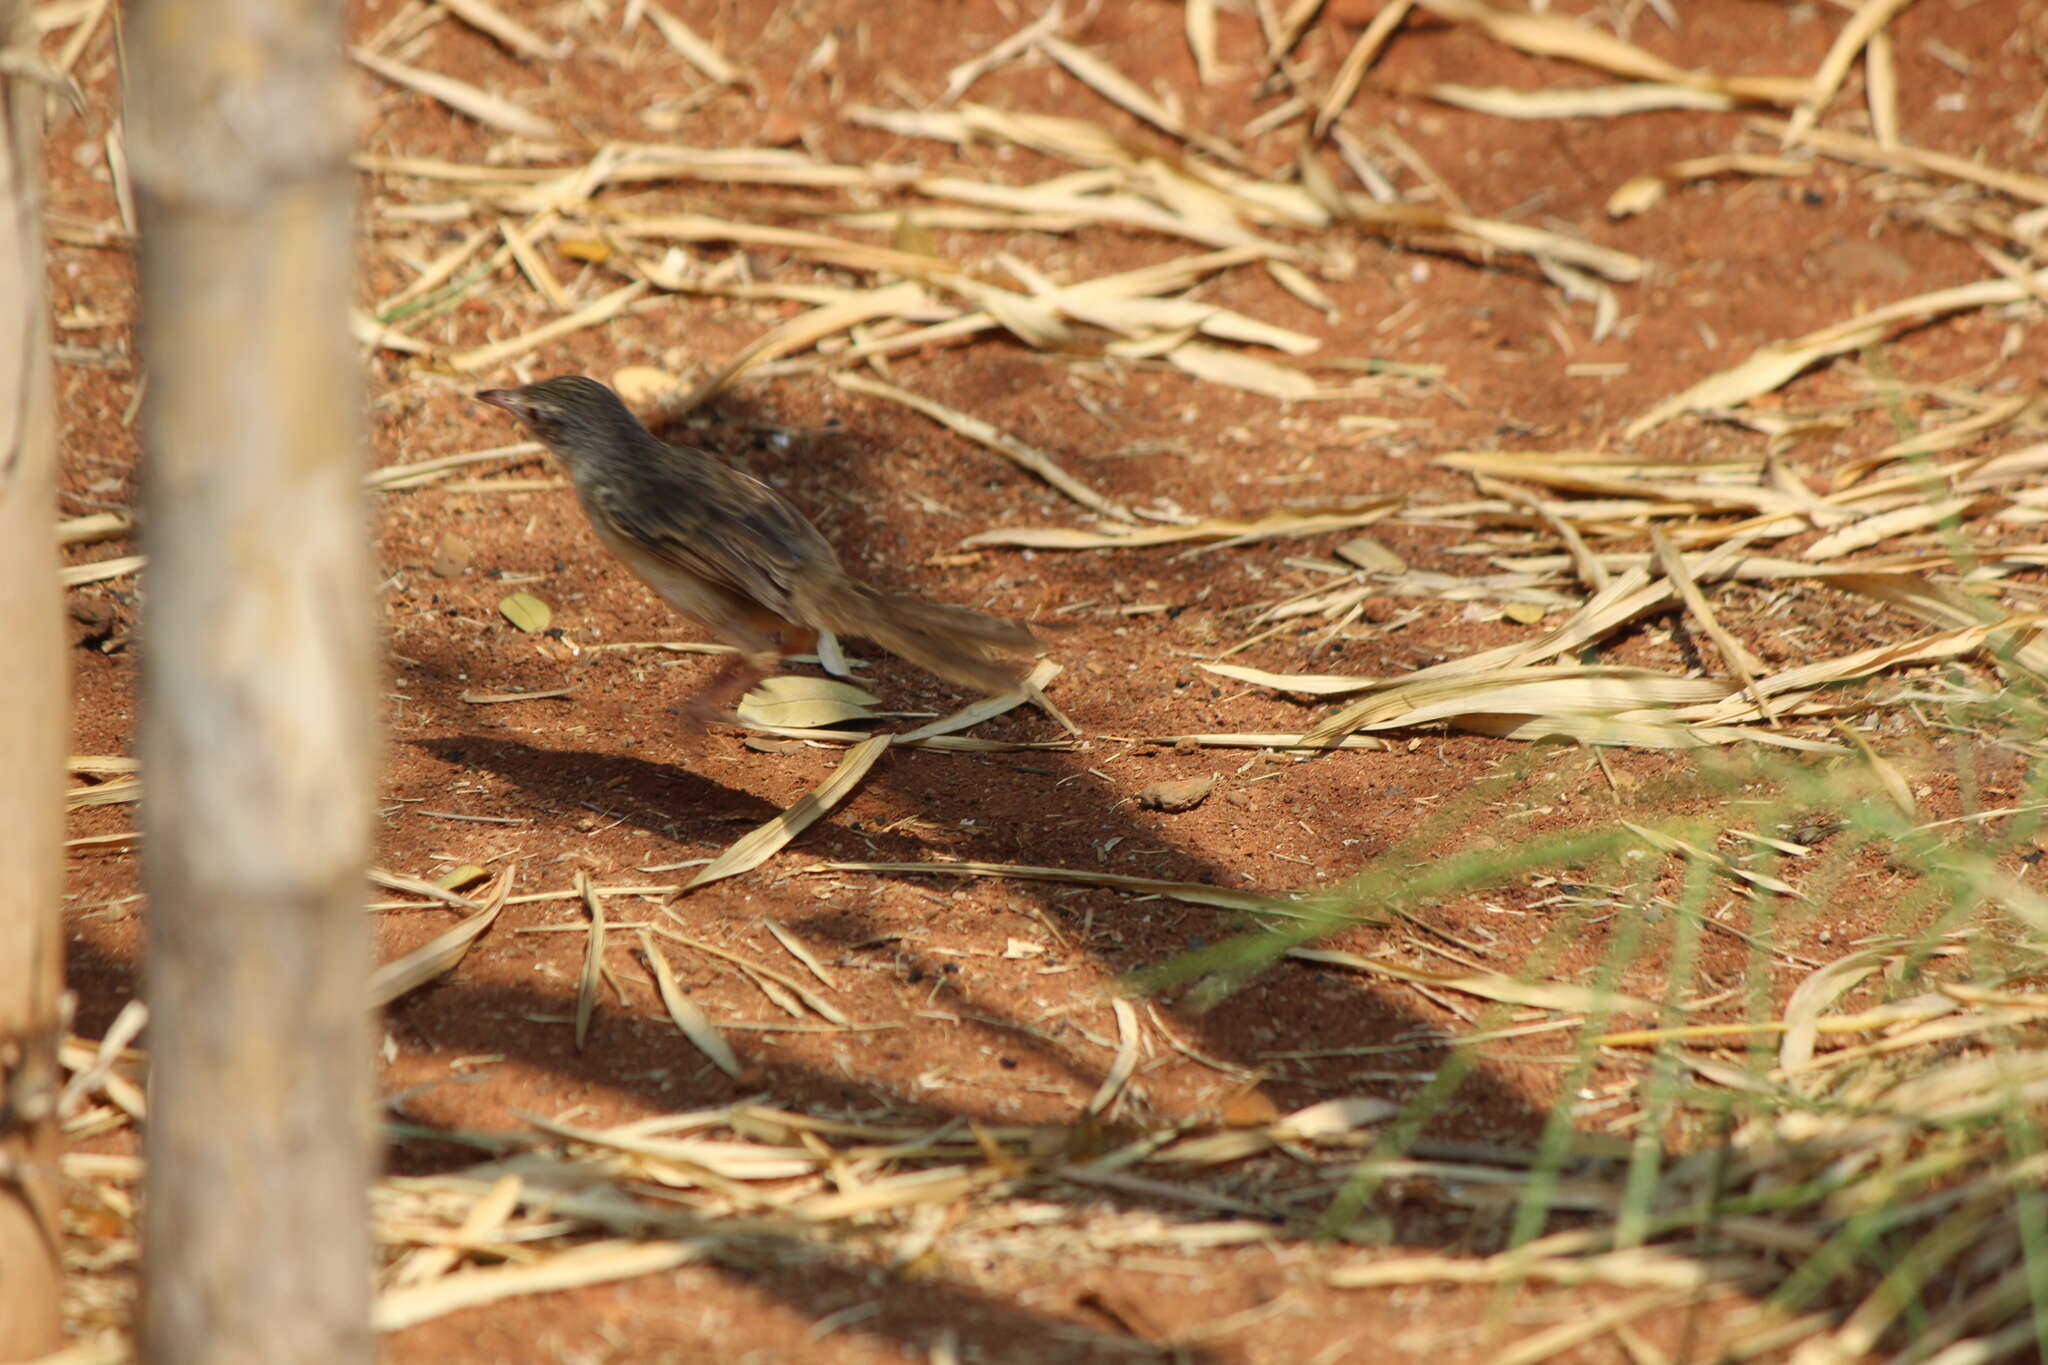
[[697, 516]]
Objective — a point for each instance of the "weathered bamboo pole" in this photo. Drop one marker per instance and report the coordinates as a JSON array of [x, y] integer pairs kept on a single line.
[[258, 734]]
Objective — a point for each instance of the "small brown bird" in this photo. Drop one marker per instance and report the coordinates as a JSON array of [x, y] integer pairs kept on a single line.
[[727, 550]]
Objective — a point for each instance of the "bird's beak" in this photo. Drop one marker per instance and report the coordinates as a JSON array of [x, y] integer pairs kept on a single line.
[[509, 400]]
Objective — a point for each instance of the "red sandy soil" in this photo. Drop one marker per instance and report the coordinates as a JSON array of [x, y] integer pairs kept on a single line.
[[604, 781]]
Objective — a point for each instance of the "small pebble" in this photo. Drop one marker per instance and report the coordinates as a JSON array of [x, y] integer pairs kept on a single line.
[[1184, 794]]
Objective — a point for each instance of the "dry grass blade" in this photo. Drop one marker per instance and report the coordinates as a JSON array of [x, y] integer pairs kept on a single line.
[[1125, 1063], [2032, 189], [1555, 35], [1200, 21], [1132, 210], [1873, 530], [1556, 1341], [419, 473], [94, 527], [1308, 684], [988, 708], [1864, 663], [1640, 1268], [102, 763], [1546, 693], [962, 77], [1605, 101], [807, 329], [947, 1185], [1881, 88], [1507, 990], [1668, 843], [1106, 81], [1640, 192], [1257, 739], [589, 315], [519, 241], [1073, 139], [595, 1263], [818, 1005], [1592, 573], [1745, 664], [1219, 531], [460, 96], [501, 698], [816, 246], [97, 1074], [1194, 893], [1282, 37], [1463, 687], [1605, 262], [1237, 370], [1864, 25], [380, 336], [692, 48], [801, 951], [976, 430], [430, 168], [484, 1218], [1358, 61], [1933, 440], [1773, 364], [418, 886], [441, 954], [1942, 605], [757, 846], [693, 1021], [490, 19], [1822, 987], [108, 1349], [593, 959], [78, 575], [118, 792]]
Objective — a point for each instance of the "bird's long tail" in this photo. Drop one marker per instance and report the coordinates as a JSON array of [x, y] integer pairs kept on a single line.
[[958, 644]]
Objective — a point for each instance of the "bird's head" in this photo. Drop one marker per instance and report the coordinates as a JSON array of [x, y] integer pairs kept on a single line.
[[571, 415]]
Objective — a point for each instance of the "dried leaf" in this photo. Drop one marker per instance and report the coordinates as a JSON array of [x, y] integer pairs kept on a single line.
[[695, 1024], [527, 612], [757, 846], [791, 701], [441, 954]]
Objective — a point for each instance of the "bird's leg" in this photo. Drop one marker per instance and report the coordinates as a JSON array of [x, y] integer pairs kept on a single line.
[[763, 641], [708, 705]]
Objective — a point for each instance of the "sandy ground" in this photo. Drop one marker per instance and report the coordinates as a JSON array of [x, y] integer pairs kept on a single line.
[[983, 1000]]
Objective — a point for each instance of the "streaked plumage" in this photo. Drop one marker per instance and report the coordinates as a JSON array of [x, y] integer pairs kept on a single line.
[[726, 549]]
